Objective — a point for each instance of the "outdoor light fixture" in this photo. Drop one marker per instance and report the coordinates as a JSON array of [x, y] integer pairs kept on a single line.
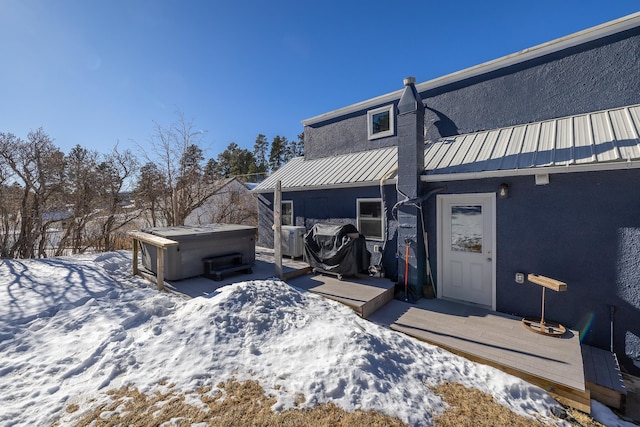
[[503, 192]]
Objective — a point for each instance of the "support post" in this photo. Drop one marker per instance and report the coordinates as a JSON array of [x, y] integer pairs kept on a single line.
[[277, 229], [160, 273], [135, 257]]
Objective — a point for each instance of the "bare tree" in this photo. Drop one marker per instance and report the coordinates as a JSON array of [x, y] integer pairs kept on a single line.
[[38, 168], [113, 175], [81, 196], [177, 152]]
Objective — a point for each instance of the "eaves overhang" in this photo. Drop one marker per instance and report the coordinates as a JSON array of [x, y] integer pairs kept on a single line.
[[546, 170]]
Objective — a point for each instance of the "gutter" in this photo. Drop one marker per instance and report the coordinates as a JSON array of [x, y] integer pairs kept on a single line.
[[546, 170]]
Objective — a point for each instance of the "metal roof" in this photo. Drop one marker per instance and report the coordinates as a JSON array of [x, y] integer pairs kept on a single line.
[[600, 140], [362, 168]]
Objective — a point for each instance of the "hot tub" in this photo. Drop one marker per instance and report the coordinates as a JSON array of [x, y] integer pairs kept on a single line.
[[196, 243]]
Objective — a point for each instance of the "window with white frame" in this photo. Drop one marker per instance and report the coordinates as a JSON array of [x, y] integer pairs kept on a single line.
[[380, 122], [370, 221], [286, 212]]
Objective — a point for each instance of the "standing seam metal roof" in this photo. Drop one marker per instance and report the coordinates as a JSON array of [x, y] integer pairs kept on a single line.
[[365, 167], [599, 137], [606, 139]]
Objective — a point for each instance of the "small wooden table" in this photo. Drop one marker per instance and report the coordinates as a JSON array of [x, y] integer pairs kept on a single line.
[[160, 244], [542, 326]]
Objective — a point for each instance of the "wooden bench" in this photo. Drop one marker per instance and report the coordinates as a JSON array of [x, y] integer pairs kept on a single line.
[[160, 244], [217, 266]]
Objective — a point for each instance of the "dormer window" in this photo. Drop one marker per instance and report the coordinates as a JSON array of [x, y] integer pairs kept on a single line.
[[380, 122]]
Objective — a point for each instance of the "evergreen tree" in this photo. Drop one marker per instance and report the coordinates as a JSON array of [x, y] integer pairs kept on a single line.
[[234, 161], [260, 149], [278, 153]]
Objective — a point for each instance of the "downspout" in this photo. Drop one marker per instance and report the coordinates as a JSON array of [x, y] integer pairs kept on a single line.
[[385, 177]]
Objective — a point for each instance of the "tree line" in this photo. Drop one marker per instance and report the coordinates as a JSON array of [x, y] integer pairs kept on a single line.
[[54, 203]]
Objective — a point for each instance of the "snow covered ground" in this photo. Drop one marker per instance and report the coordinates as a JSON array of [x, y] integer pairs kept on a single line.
[[73, 328]]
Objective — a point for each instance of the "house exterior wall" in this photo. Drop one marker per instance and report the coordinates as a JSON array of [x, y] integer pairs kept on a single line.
[[335, 206], [591, 77], [347, 134], [583, 229]]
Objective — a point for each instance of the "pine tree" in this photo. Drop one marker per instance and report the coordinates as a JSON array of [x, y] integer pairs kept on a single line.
[[278, 152]]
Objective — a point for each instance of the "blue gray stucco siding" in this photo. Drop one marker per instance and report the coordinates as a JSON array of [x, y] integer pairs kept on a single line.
[[336, 206], [595, 76], [583, 229]]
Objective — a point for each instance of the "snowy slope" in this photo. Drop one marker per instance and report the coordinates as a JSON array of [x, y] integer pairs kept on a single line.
[[73, 328]]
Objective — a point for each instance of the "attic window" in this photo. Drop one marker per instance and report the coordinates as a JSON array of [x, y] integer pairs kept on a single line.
[[380, 122]]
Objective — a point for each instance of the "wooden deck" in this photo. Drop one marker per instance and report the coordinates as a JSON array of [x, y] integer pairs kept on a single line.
[[603, 377], [362, 293], [497, 340]]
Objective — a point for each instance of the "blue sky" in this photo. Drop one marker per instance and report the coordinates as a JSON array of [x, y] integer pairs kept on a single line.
[[97, 72]]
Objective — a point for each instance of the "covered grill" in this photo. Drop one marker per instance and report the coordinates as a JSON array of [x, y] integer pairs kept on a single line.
[[337, 249]]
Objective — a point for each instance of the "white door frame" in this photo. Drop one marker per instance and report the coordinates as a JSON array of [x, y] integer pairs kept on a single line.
[[440, 198]]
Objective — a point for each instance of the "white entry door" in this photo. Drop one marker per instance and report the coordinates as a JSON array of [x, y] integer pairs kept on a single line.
[[466, 240]]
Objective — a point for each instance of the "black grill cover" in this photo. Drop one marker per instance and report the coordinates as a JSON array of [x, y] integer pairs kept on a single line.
[[335, 249]]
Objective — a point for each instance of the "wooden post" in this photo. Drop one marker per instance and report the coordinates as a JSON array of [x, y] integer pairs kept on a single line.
[[135, 257], [277, 229], [160, 266]]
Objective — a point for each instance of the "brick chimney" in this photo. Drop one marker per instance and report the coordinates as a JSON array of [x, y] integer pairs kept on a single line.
[[410, 166]]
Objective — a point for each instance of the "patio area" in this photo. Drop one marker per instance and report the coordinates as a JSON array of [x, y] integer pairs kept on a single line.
[[262, 269], [484, 336], [495, 339]]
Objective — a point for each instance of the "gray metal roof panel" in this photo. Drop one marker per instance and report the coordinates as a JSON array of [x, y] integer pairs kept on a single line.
[[527, 156], [361, 167], [602, 137], [585, 139], [546, 144]]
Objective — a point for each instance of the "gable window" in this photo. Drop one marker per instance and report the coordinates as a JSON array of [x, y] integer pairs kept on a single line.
[[380, 122], [286, 212], [370, 221]]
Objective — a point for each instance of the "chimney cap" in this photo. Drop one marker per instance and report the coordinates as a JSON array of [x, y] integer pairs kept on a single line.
[[409, 81]]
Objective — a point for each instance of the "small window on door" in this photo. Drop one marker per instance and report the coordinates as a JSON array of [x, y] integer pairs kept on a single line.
[[286, 212], [466, 228], [370, 221]]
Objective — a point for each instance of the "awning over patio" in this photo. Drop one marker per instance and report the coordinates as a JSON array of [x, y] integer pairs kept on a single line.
[[362, 168]]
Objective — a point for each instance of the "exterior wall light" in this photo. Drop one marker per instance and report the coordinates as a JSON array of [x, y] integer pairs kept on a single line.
[[503, 192]]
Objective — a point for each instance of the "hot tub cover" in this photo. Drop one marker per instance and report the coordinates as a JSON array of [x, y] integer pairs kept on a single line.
[[337, 249]]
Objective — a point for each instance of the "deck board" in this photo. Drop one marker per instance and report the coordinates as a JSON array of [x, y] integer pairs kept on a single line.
[[496, 339], [603, 376], [362, 293]]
